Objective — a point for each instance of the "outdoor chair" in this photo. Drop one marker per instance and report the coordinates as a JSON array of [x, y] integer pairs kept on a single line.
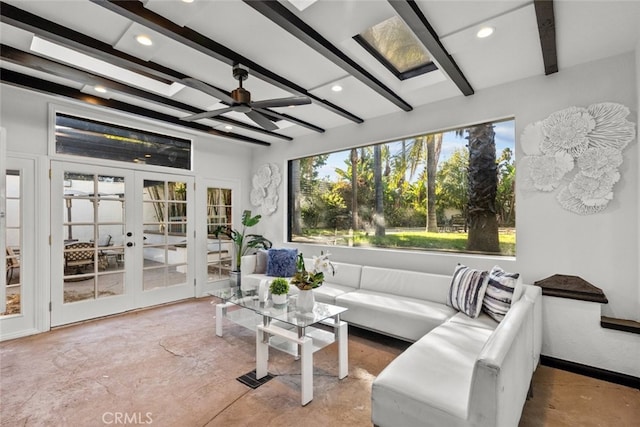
[[76, 257], [13, 262]]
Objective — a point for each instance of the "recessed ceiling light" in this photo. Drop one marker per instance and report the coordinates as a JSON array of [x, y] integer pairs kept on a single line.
[[187, 1], [228, 127], [147, 155], [484, 32], [100, 89], [336, 88], [144, 40]]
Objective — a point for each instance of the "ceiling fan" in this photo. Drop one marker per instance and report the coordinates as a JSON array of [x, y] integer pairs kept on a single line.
[[240, 101]]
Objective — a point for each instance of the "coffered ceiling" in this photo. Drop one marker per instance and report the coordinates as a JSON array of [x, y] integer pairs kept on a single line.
[[293, 48]]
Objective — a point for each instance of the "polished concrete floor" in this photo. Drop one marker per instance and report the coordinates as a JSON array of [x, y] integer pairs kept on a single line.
[[166, 367]]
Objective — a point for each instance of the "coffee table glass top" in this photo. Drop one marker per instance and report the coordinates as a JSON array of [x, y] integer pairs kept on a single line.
[[283, 312]]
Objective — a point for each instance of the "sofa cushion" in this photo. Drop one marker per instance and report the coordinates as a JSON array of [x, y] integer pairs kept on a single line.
[[467, 290], [262, 258], [403, 317], [413, 284], [482, 321], [345, 275], [328, 292], [431, 380], [282, 262], [501, 292]]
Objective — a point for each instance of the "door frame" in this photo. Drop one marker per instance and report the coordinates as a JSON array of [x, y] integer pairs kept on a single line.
[[134, 296], [203, 286], [32, 317]]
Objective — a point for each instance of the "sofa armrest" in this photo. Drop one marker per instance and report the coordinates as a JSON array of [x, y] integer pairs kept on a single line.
[[503, 370], [248, 265]]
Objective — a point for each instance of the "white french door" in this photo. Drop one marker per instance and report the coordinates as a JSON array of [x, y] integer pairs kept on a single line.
[[17, 236], [121, 239]]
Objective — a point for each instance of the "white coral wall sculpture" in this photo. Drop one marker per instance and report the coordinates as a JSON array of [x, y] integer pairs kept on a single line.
[[581, 146], [264, 193]]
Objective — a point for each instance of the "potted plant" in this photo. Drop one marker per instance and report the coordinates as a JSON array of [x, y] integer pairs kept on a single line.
[[242, 242], [279, 289], [306, 281]]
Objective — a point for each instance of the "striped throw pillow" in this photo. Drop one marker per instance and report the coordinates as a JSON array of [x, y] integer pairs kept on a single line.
[[501, 289], [467, 290]]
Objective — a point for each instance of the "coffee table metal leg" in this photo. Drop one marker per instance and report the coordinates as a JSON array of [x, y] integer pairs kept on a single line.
[[262, 354], [343, 350]]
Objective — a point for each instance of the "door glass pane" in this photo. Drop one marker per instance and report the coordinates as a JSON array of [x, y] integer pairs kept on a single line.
[[165, 226], [219, 249], [13, 262], [93, 254]]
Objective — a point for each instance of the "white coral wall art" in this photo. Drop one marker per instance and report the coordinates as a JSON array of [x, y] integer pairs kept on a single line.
[[264, 193], [581, 146]]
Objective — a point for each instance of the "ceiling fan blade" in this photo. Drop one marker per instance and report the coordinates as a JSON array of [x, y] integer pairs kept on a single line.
[[208, 89], [281, 102], [207, 114], [261, 120]]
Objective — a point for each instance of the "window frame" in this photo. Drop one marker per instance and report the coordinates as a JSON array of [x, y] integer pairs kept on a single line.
[[413, 72], [510, 163]]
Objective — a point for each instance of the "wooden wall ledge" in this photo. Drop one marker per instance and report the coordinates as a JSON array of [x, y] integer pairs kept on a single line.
[[620, 324], [573, 287]]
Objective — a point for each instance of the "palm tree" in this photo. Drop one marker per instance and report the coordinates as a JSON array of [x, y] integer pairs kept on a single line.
[[483, 184], [434, 144], [427, 147], [354, 188], [377, 171], [295, 198]]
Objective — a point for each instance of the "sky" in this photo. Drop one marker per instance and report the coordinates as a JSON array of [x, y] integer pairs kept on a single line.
[[505, 137]]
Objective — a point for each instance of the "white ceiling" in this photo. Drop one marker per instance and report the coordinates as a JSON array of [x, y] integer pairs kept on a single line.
[[585, 31]]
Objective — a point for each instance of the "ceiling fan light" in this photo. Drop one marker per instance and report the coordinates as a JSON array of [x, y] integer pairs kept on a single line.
[[484, 32]]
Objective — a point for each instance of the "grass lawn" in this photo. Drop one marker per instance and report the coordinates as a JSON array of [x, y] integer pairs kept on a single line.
[[413, 239]]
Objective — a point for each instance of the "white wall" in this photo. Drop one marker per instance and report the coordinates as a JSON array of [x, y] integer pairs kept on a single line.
[[602, 248], [637, 317]]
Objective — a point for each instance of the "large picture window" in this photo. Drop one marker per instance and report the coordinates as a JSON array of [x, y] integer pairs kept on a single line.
[[447, 191]]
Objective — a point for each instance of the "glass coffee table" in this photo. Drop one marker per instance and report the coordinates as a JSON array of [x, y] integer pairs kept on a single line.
[[287, 329]]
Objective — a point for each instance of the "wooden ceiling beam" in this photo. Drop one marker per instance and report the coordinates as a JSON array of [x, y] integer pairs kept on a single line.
[[72, 39], [411, 14], [33, 83], [280, 15], [547, 31], [34, 62], [136, 12]]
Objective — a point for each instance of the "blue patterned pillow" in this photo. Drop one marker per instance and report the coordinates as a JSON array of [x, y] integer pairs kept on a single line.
[[467, 290], [281, 262]]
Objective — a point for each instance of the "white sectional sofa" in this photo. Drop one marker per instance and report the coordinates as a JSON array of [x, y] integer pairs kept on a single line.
[[460, 371]]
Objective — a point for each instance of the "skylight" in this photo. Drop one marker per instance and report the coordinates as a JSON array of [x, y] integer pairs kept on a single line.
[[393, 44]]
